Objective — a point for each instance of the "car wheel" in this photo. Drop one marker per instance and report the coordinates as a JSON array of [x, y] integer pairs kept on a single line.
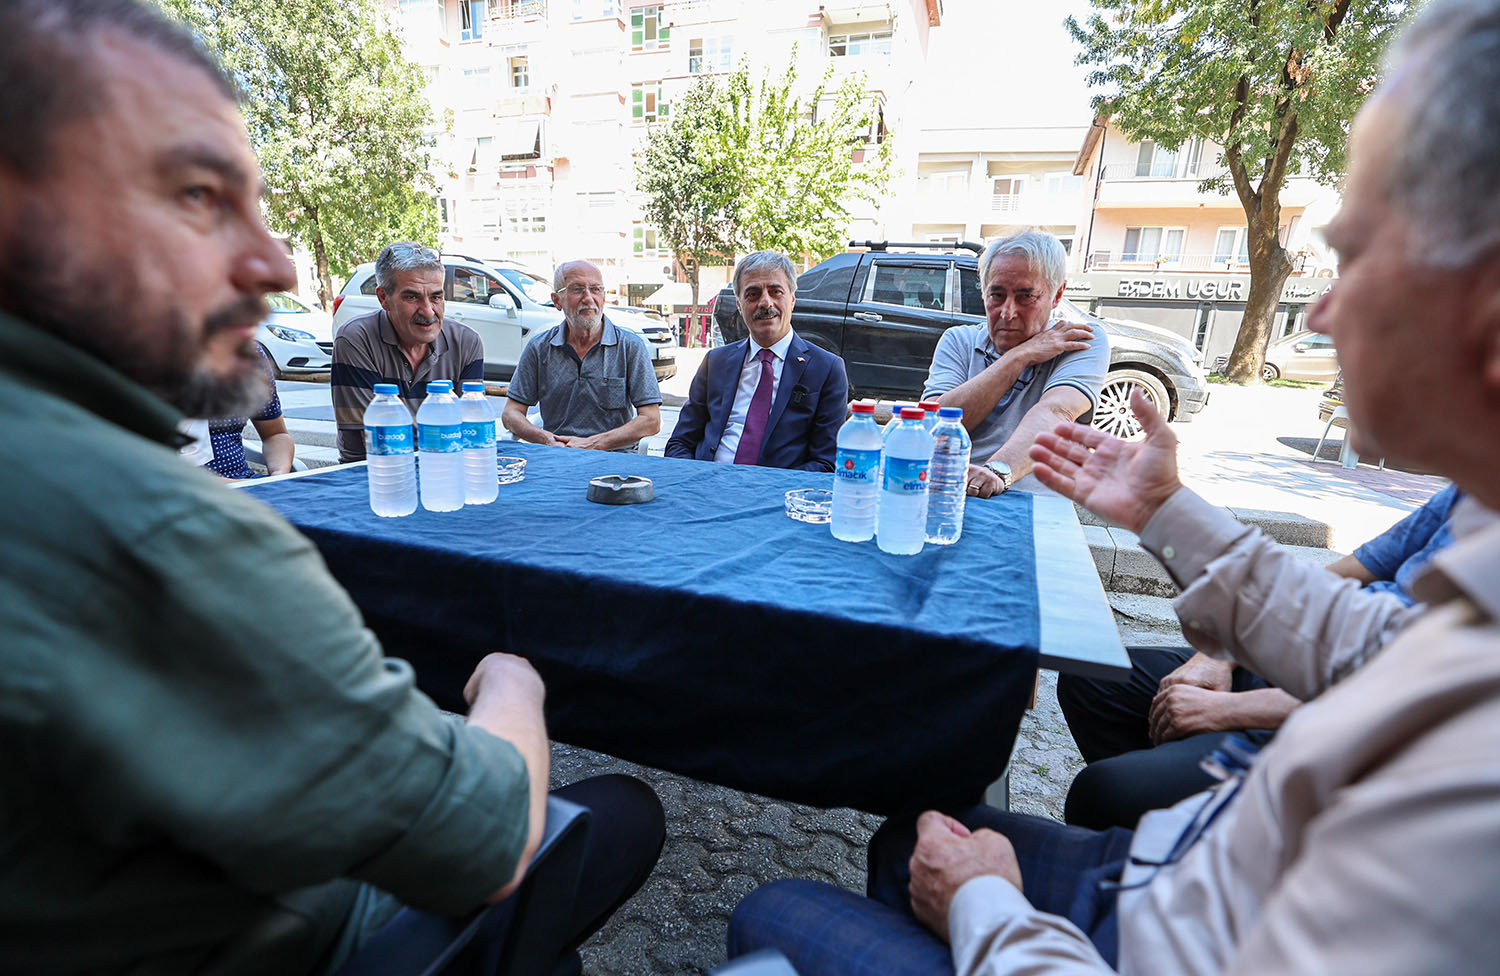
[[275, 366], [1114, 416], [1269, 372]]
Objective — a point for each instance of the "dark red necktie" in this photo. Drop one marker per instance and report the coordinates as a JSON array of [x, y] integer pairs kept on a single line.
[[754, 433]]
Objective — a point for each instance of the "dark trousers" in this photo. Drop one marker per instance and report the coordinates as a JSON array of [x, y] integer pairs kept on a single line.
[[1126, 775], [626, 831], [825, 930]]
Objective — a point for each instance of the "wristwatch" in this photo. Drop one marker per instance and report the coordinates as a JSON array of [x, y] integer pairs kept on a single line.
[[1003, 470]]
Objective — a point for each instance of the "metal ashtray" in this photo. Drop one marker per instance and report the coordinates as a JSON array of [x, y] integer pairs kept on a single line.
[[814, 505], [617, 489]]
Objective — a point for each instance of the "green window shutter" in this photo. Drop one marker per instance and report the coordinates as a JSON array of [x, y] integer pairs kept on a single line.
[[661, 108], [639, 246], [664, 34], [637, 103], [637, 29]]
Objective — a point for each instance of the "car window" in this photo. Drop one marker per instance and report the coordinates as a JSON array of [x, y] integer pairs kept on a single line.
[[970, 301], [368, 288], [913, 286], [286, 303], [473, 287], [534, 288], [1316, 341]]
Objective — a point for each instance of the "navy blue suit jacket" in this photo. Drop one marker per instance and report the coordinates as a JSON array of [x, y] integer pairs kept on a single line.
[[811, 403]]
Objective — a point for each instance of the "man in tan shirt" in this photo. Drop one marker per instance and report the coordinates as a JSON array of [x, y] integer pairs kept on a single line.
[[1366, 837]]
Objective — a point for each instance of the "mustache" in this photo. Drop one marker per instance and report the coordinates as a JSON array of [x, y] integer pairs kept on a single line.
[[767, 313], [246, 311]]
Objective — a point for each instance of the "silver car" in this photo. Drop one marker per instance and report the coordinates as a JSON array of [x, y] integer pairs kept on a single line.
[[506, 306], [297, 337]]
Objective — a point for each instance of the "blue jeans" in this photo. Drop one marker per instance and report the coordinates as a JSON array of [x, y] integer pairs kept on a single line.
[[825, 930]]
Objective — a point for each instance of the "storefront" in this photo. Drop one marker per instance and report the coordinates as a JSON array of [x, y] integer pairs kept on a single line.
[[1204, 309]]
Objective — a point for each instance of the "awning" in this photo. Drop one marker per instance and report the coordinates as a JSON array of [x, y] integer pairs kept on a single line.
[[672, 293], [521, 140]]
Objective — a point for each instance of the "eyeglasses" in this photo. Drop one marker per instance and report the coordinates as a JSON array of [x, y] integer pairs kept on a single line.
[[578, 291], [1023, 299]]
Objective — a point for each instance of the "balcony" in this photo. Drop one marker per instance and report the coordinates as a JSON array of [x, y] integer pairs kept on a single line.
[[1126, 261], [519, 11], [1120, 188]]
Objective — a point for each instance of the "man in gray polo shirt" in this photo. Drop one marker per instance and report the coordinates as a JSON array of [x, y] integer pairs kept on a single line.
[[1014, 376], [594, 383], [406, 342]]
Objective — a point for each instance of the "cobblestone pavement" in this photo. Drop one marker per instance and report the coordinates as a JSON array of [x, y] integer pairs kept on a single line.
[[722, 843]]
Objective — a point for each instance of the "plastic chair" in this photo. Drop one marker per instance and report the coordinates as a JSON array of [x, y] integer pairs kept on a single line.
[[254, 456], [1347, 457], [765, 962], [520, 936]]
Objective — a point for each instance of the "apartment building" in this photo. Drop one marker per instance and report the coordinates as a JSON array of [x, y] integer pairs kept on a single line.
[[1157, 249], [975, 183], [542, 104]]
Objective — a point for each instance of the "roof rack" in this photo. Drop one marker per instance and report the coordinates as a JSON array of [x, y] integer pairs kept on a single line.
[[929, 245]]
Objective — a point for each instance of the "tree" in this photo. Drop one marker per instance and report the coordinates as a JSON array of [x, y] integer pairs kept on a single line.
[[741, 167], [1276, 83], [693, 205], [336, 115]]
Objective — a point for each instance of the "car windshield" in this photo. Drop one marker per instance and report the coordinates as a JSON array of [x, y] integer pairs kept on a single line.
[[537, 289], [282, 302]]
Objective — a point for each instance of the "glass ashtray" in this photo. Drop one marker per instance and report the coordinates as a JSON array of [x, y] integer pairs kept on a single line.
[[813, 505], [510, 469]]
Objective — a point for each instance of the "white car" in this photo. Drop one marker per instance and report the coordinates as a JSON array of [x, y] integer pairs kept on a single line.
[[506, 306], [297, 337]]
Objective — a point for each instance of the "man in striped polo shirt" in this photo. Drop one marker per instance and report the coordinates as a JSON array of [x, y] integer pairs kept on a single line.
[[407, 342]]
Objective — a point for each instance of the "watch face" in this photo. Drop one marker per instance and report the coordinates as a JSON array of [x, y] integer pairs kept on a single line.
[[1000, 468]]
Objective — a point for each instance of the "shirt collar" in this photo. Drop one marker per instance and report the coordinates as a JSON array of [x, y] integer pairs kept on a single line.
[[610, 337], [1471, 565], [752, 349], [39, 359], [985, 346]]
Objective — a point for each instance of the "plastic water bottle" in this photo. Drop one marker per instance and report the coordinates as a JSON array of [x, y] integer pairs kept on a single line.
[[930, 410], [390, 454], [903, 492], [481, 483], [440, 444], [947, 483], [856, 476], [885, 433]]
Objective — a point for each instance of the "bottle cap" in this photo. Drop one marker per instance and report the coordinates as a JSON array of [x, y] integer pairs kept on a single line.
[[862, 407], [912, 413], [440, 386], [473, 386], [931, 406], [387, 389], [951, 413], [897, 408]]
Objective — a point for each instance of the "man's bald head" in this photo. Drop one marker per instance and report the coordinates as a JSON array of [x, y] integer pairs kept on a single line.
[[48, 76]]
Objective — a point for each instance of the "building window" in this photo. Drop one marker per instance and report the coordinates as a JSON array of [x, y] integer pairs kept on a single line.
[[593, 9], [471, 20], [646, 103], [1231, 246], [1200, 326], [646, 244], [528, 223], [598, 199], [1059, 184], [1157, 162], [477, 79], [1008, 192], [483, 156], [707, 55], [520, 72], [854, 45], [1066, 240], [445, 218], [648, 31], [1147, 244], [950, 183]]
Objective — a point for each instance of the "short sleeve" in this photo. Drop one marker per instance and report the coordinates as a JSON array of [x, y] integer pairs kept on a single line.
[[640, 375], [1384, 555], [352, 387], [1083, 370], [950, 363], [526, 382], [272, 409]]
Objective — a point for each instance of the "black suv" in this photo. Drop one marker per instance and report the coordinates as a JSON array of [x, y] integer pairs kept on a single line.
[[882, 309]]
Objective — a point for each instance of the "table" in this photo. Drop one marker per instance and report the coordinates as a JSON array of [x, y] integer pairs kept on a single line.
[[708, 634]]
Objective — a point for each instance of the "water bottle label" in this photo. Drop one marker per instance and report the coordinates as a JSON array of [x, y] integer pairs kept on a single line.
[[440, 438], [857, 467], [479, 433], [380, 441], [906, 476]]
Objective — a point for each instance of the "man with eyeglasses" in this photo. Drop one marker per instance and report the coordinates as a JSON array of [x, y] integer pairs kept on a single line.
[[406, 342], [1014, 376], [593, 383]]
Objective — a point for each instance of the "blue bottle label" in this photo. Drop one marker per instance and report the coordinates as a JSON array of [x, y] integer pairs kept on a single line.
[[440, 438], [380, 441], [857, 467], [479, 433], [906, 476]]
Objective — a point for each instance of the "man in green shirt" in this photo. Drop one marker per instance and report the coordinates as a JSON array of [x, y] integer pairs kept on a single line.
[[206, 764]]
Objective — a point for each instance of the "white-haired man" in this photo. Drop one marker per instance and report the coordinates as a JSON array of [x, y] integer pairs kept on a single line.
[[593, 382], [1014, 376], [1364, 837]]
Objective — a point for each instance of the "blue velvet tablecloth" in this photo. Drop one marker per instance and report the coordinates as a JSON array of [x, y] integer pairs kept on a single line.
[[706, 632]]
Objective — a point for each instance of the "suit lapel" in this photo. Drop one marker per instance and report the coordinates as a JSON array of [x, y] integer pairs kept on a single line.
[[723, 381], [791, 375]]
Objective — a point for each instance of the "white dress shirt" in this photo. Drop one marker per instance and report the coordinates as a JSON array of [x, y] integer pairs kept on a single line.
[[745, 391]]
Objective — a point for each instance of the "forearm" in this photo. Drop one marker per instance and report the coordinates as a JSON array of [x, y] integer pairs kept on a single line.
[[278, 450], [519, 721], [979, 395], [1351, 568], [643, 425], [1261, 708], [1044, 416], [514, 419]]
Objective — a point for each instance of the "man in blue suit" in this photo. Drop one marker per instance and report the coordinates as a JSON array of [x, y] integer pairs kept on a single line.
[[772, 398]]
